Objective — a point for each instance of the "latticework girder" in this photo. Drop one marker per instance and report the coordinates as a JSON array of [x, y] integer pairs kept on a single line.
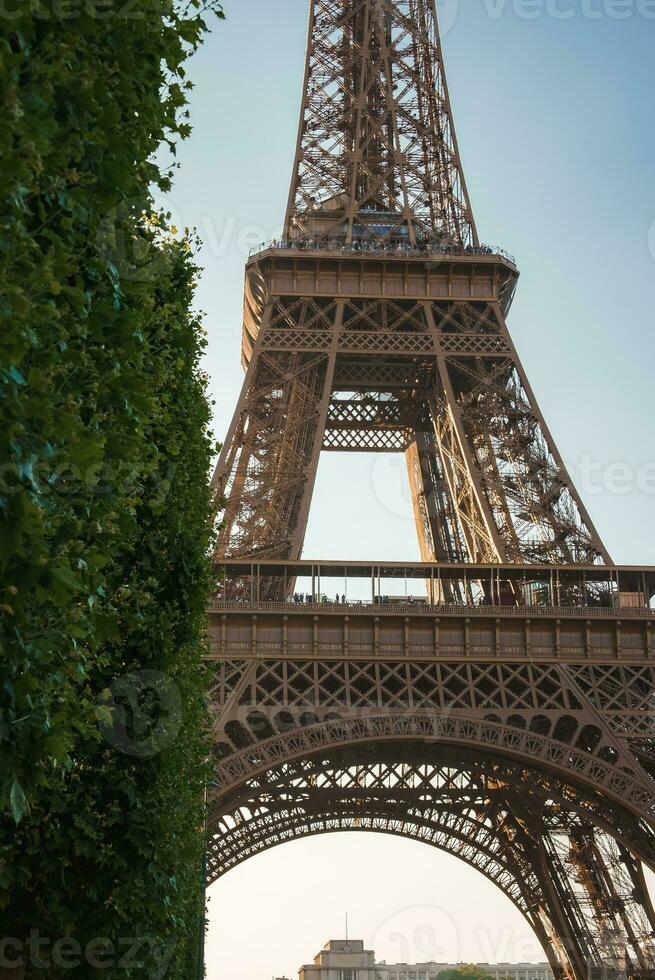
[[519, 827], [377, 156], [522, 744], [441, 379]]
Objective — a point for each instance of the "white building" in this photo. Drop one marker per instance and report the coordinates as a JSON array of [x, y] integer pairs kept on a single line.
[[346, 959]]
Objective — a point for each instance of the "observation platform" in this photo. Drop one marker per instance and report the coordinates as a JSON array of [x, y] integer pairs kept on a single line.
[[376, 250], [370, 269], [422, 611], [365, 272]]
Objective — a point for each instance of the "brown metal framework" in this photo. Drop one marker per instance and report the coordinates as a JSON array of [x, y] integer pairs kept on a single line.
[[506, 717], [376, 134]]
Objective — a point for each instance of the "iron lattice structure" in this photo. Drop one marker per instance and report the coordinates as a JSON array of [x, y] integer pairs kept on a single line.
[[506, 719]]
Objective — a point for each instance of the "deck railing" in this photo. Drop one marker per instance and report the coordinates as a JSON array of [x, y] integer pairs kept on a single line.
[[387, 250], [428, 609]]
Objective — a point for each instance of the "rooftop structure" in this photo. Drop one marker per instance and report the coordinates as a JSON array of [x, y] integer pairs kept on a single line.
[[348, 959]]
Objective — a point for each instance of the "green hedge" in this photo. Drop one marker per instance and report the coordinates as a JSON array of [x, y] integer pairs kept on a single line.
[[104, 505]]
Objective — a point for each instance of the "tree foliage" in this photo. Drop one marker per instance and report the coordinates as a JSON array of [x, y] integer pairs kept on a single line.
[[468, 971], [104, 506]]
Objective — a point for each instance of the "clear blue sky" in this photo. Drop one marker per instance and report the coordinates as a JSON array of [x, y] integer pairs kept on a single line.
[[555, 122]]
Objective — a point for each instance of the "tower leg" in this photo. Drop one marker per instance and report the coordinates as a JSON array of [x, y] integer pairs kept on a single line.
[[267, 468]]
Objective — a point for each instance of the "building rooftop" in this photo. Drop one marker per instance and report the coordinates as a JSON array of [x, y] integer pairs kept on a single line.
[[348, 959], [345, 945]]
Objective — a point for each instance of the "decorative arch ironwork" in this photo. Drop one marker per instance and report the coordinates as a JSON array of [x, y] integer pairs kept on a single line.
[[529, 830]]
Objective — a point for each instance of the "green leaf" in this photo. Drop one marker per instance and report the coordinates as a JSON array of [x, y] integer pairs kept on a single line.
[[104, 715], [17, 801], [66, 576], [14, 375]]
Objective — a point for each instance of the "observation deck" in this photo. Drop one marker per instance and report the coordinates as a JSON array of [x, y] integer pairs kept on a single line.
[[329, 270], [451, 612]]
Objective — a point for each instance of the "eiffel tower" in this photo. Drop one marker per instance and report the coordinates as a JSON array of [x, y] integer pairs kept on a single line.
[[506, 717]]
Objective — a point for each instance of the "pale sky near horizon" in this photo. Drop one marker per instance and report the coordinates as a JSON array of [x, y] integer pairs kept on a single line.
[[554, 117]]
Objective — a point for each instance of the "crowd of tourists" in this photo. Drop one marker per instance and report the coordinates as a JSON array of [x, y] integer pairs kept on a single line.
[[383, 247], [301, 598]]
